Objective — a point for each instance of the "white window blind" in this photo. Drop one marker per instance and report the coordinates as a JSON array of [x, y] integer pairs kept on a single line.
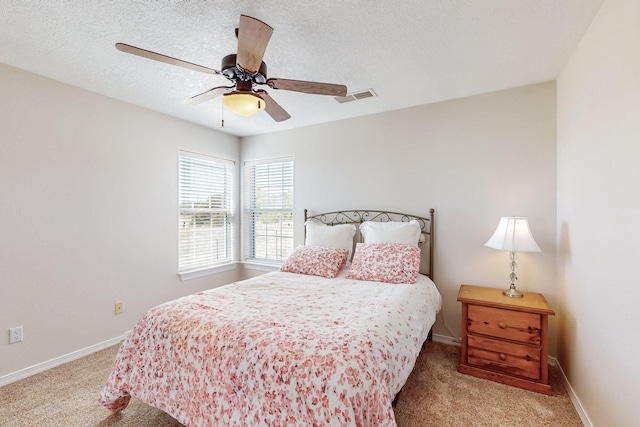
[[205, 205], [268, 210]]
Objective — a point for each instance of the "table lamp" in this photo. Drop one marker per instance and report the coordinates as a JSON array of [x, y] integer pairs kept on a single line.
[[514, 235]]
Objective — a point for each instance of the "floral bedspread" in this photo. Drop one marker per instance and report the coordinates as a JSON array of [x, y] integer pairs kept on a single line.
[[281, 349]]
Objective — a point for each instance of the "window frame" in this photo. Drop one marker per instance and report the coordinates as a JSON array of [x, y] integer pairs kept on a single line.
[[249, 209], [203, 266]]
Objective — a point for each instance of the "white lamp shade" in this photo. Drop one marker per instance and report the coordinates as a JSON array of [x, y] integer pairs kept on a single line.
[[513, 234]]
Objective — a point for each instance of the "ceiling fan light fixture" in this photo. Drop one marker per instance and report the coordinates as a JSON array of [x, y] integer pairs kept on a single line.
[[244, 103]]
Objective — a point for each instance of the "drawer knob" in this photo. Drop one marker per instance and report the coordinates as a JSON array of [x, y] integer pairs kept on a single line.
[[503, 357], [502, 325]]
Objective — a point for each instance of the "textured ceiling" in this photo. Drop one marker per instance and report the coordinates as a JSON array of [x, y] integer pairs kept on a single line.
[[409, 52]]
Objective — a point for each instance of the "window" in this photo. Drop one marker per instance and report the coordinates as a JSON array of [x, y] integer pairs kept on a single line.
[[205, 203], [268, 210]]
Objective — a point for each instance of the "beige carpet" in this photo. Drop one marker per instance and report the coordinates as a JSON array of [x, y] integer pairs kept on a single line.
[[435, 395]]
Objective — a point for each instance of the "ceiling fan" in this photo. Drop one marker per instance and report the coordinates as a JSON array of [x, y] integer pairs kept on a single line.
[[246, 71]]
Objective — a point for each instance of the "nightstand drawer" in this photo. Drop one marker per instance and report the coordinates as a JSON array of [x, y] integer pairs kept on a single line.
[[504, 357], [507, 324]]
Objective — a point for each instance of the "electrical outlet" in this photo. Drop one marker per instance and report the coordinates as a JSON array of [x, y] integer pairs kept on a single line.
[[15, 335], [119, 308]]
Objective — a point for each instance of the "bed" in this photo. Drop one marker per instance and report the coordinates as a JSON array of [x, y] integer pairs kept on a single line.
[[327, 340]]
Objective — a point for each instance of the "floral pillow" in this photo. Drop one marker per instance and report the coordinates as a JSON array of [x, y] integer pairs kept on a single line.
[[385, 262], [316, 261]]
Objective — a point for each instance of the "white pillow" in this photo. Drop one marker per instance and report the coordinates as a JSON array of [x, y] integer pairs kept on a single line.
[[330, 236], [406, 233]]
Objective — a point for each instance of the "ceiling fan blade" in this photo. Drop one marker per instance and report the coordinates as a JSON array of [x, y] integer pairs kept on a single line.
[[272, 108], [164, 58], [315, 88], [253, 37], [208, 95]]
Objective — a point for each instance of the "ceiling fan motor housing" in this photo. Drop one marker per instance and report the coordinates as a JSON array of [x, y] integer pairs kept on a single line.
[[233, 72]]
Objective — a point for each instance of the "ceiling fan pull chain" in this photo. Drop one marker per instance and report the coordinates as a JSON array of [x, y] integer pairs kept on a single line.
[[223, 114]]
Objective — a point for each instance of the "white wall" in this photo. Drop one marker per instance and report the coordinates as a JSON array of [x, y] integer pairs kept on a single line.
[[88, 188], [88, 214], [473, 160], [598, 211]]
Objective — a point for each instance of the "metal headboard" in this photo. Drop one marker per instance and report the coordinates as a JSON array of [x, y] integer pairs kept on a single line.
[[359, 216]]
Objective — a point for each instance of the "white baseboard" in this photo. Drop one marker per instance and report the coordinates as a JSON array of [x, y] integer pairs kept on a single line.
[[572, 395], [41, 367], [446, 339], [553, 363]]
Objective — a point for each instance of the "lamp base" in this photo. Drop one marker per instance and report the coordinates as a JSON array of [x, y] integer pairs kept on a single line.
[[512, 293]]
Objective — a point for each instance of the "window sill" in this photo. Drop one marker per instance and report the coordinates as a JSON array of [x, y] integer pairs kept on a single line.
[[261, 266], [194, 274]]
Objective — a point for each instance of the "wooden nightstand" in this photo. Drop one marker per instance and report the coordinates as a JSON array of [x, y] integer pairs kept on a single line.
[[505, 339]]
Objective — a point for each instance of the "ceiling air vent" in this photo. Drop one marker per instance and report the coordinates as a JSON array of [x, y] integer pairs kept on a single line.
[[356, 96]]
